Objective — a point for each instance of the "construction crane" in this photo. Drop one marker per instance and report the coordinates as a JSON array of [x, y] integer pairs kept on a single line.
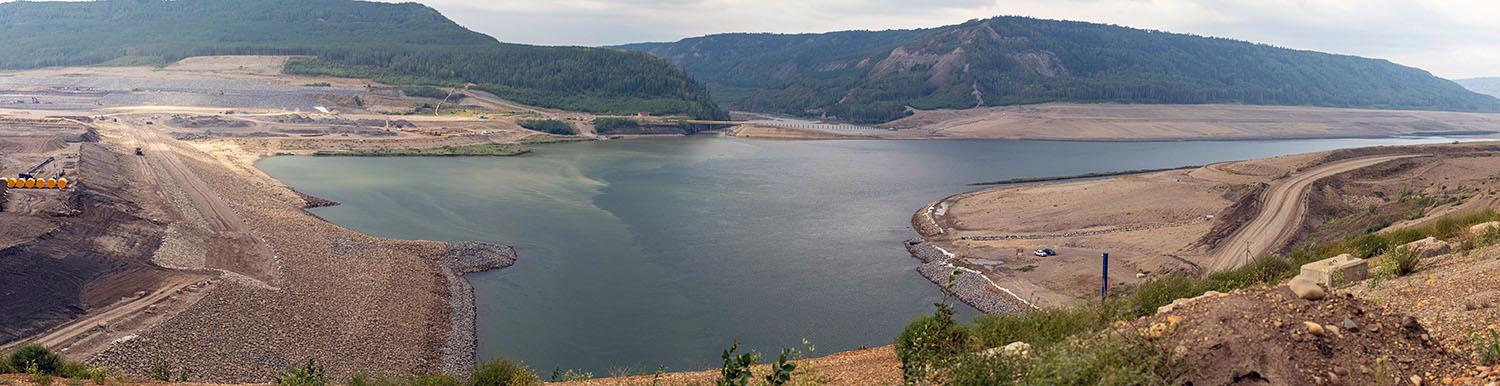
[[29, 173]]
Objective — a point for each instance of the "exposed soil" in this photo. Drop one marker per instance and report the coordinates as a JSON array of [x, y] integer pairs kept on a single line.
[[1186, 220], [1259, 336], [1104, 122], [98, 253]]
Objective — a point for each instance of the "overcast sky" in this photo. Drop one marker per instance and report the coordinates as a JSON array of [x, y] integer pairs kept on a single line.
[[1450, 38]]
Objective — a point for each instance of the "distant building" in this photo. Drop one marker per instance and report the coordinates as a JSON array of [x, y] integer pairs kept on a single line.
[[642, 115]]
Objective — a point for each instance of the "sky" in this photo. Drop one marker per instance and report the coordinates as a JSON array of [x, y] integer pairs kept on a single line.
[[1450, 38]]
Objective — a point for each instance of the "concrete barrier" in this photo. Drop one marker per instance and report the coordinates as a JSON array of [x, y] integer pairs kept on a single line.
[[1336, 271]]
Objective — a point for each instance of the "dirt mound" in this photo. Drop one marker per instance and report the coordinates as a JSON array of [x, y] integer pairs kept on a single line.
[[1270, 336], [207, 122]]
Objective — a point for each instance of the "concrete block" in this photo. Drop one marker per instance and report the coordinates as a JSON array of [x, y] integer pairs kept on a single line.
[[1337, 271]]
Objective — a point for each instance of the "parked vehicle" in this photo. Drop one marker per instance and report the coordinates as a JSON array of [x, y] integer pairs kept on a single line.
[[1044, 252]]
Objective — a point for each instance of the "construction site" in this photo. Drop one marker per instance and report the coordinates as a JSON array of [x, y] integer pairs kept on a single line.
[[135, 235]]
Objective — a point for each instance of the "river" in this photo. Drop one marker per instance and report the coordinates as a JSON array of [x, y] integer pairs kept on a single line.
[[659, 252]]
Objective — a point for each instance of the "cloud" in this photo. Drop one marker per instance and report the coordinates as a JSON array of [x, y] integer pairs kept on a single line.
[[1451, 38]]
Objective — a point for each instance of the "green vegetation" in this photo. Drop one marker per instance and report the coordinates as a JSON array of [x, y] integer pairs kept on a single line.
[[424, 92], [400, 44], [1486, 347], [310, 374], [43, 364], [865, 76], [736, 370], [543, 139], [1397, 262], [549, 126], [605, 125], [502, 372], [38, 357], [497, 372], [1074, 344], [490, 149], [161, 371]]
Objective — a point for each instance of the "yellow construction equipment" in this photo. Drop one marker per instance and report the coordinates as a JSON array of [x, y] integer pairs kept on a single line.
[[51, 183], [62, 183]]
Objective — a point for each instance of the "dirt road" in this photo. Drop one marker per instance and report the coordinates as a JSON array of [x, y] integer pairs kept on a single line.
[[235, 249], [1282, 211]]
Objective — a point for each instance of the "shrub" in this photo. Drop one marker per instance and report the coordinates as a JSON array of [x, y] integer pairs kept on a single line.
[[560, 375], [1486, 347], [1488, 238], [1108, 359], [550, 126], [97, 374], [5, 366], [34, 355], [736, 370], [781, 371], [426, 380], [979, 369], [1399, 262], [72, 369], [310, 374], [503, 372], [161, 372], [930, 343]]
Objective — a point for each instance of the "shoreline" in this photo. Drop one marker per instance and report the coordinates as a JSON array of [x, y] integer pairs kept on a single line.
[[1027, 180], [460, 354], [970, 287]]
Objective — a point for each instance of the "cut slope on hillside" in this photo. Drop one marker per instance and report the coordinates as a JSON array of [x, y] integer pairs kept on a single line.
[[876, 76], [396, 43]]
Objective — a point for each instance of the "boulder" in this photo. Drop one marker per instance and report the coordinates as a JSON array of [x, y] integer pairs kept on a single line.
[[1429, 247], [1480, 229], [1183, 302], [1019, 349], [1307, 289]]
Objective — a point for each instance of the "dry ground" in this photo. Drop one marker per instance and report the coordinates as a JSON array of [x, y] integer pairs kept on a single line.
[[1068, 121], [1185, 220]]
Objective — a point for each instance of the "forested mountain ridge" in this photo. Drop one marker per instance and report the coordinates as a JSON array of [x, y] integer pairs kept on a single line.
[[865, 76], [404, 43], [1488, 86]]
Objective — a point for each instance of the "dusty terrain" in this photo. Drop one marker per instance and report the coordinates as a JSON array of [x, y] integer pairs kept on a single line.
[[1194, 221], [1099, 122], [187, 255]]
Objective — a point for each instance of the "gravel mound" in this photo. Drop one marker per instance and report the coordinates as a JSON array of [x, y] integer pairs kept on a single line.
[[969, 287], [467, 257]]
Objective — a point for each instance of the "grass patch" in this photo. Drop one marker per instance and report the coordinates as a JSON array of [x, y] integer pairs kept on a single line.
[[1486, 346], [1398, 262], [490, 149]]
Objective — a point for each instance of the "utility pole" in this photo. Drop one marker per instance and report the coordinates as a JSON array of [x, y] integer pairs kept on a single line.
[[1104, 285]]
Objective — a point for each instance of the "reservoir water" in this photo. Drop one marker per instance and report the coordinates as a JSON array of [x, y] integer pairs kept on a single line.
[[659, 252]]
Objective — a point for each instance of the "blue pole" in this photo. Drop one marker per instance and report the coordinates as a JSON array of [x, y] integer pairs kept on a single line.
[[1104, 286]]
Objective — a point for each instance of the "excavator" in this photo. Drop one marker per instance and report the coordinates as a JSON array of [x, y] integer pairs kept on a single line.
[[29, 173]]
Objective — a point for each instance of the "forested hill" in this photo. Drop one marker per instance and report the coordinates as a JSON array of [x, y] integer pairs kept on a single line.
[[1487, 86], [875, 76], [402, 43]]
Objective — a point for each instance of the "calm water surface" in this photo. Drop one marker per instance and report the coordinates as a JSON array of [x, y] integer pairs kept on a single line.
[[640, 253]]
